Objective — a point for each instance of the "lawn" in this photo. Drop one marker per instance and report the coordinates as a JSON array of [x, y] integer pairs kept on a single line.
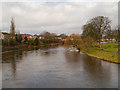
[[109, 56], [111, 49], [108, 46]]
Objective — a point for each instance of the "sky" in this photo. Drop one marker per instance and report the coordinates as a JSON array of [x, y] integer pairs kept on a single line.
[[58, 16]]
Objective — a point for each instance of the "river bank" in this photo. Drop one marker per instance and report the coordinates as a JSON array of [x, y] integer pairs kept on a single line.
[[102, 55], [26, 47]]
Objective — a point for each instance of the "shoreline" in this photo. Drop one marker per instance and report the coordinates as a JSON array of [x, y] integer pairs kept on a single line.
[[7, 51], [24, 47]]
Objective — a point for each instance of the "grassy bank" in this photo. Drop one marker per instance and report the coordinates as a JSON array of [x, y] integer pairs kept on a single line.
[[108, 52], [107, 56]]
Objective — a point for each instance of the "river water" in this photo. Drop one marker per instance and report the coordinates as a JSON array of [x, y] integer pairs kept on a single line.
[[56, 68]]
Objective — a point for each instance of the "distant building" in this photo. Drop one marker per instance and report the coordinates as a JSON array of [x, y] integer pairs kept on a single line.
[[29, 37], [105, 40], [40, 37], [1, 36], [35, 36], [6, 35], [62, 37]]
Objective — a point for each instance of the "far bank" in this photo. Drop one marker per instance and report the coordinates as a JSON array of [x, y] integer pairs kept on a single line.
[[26, 47]]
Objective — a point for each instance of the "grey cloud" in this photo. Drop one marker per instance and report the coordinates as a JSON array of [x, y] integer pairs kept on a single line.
[[55, 17]]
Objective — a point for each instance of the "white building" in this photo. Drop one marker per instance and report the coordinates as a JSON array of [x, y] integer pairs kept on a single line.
[[1, 35]]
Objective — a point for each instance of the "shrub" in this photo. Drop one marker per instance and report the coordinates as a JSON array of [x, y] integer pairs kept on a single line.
[[30, 42], [88, 42], [12, 42], [36, 42]]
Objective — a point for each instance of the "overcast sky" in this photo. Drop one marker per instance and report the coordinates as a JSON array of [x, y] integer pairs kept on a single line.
[[56, 17]]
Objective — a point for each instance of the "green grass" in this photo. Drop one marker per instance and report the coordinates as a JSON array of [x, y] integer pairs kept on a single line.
[[107, 45], [111, 49], [106, 55]]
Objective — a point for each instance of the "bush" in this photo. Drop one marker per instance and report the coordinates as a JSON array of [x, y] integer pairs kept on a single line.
[[12, 42], [73, 39], [5, 43], [30, 42], [18, 38], [36, 42], [88, 42]]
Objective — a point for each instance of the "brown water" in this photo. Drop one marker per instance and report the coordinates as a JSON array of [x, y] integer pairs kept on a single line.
[[56, 68]]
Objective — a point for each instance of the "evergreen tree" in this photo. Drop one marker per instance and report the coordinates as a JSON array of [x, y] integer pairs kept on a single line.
[[36, 41]]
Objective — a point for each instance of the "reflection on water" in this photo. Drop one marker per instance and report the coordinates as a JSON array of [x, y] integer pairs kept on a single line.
[[96, 71], [72, 57], [56, 67]]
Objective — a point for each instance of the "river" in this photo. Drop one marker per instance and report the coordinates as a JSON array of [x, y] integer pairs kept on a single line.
[[56, 68]]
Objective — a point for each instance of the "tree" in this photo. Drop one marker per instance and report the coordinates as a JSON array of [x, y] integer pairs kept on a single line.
[[96, 27], [30, 41], [36, 41], [73, 39], [12, 28], [26, 39], [49, 38], [109, 34], [18, 38], [88, 42], [12, 42], [115, 34], [63, 36]]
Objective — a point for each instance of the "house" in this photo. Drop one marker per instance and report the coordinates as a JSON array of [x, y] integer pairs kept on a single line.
[[29, 37], [35, 36], [1, 36], [6, 35], [40, 37], [61, 38], [105, 40]]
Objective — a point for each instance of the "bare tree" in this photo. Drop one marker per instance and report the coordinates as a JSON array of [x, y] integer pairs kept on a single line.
[[12, 28], [96, 27]]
